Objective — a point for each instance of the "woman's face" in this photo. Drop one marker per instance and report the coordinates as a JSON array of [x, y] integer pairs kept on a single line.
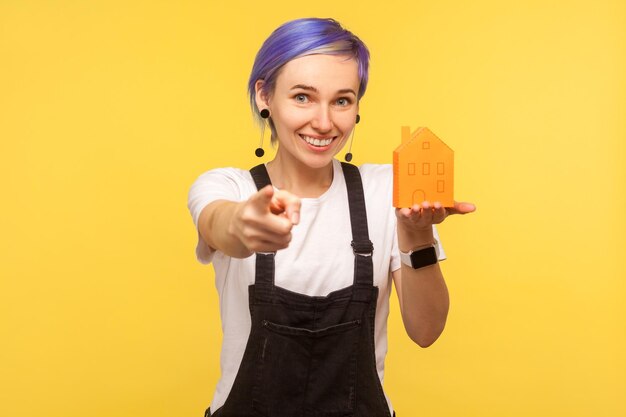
[[313, 107]]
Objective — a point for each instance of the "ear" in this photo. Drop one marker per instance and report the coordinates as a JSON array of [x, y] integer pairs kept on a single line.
[[261, 96]]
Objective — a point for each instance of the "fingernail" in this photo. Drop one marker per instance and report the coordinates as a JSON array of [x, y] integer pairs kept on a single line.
[[295, 217]]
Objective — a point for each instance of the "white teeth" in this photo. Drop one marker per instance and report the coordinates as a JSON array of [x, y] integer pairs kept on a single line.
[[317, 142]]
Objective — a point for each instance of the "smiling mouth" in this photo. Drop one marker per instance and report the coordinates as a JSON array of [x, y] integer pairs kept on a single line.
[[320, 143]]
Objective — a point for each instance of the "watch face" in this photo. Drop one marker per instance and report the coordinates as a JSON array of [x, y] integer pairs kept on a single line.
[[424, 257]]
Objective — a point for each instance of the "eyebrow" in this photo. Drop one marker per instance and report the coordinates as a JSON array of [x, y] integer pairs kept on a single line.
[[311, 88]]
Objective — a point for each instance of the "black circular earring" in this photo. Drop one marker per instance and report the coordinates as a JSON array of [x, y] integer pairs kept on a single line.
[[259, 152], [348, 156]]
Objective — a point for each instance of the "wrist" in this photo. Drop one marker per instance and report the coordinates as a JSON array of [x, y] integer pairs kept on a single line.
[[409, 240]]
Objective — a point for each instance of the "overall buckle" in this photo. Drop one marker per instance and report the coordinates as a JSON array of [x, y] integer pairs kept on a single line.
[[363, 248]]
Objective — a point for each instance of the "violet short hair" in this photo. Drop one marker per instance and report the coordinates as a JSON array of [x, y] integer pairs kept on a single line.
[[302, 37]]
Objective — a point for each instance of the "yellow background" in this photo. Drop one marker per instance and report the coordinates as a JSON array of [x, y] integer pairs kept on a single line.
[[110, 109]]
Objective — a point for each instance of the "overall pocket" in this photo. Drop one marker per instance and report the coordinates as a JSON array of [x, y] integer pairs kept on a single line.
[[304, 372]]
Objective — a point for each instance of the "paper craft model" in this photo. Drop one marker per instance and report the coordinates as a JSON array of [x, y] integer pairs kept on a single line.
[[423, 169]]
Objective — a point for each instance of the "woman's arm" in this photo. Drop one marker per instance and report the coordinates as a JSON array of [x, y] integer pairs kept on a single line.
[[260, 224], [422, 293]]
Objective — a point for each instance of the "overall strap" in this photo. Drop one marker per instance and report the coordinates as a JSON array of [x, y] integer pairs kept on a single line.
[[260, 176], [361, 244], [264, 261]]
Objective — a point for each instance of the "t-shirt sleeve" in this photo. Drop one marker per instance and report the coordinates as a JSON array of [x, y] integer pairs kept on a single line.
[[217, 184], [442, 253]]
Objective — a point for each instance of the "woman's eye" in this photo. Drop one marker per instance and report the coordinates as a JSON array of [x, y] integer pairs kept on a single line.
[[343, 102], [301, 98]]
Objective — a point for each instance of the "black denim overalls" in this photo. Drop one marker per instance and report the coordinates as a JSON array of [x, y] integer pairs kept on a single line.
[[310, 356]]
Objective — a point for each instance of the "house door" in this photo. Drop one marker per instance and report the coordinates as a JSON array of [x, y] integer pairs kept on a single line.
[[419, 196]]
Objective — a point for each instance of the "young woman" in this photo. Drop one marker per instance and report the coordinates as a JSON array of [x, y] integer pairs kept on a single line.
[[305, 247]]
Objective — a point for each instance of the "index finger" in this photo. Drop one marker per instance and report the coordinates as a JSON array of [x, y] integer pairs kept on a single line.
[[262, 199], [290, 205]]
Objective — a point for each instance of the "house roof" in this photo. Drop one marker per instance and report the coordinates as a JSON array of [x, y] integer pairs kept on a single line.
[[421, 133]]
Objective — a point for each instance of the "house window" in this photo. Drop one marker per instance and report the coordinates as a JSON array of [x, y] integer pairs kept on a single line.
[[411, 167], [440, 186], [426, 145], [426, 168], [440, 170]]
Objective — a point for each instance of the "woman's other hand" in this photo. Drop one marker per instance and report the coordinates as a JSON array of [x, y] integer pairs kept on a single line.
[[423, 216], [415, 223]]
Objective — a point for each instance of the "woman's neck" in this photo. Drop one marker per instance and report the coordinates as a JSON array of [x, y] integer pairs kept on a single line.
[[290, 175]]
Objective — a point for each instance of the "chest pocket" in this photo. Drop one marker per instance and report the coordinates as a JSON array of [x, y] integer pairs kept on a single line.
[[304, 372]]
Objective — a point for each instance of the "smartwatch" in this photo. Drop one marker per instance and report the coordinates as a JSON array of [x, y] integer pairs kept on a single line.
[[421, 257]]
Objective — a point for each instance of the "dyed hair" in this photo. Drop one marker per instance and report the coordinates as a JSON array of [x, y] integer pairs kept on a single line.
[[302, 37]]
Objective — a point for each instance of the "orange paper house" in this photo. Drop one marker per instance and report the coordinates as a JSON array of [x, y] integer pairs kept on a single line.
[[423, 169]]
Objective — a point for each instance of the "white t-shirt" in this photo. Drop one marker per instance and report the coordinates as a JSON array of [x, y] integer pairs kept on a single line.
[[319, 258]]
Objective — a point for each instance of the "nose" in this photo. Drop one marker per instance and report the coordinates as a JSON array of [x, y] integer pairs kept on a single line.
[[322, 120]]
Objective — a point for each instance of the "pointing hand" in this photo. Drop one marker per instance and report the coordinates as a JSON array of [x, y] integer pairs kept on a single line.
[[263, 223]]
